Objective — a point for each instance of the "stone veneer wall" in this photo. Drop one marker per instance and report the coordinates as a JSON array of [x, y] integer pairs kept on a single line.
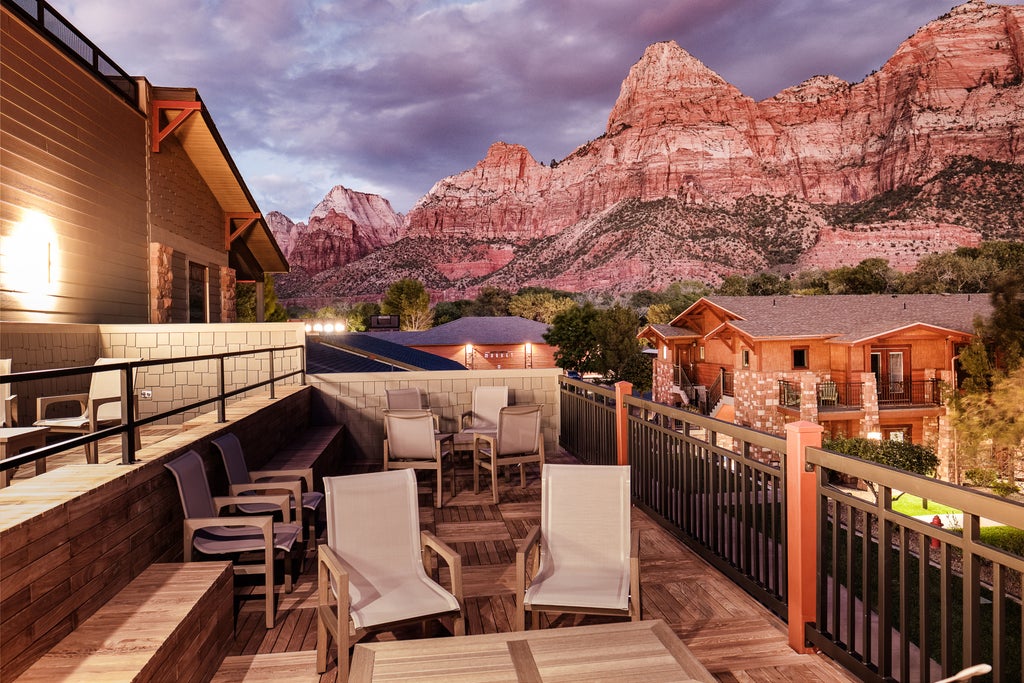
[[38, 346], [227, 295], [358, 401], [161, 280], [663, 381]]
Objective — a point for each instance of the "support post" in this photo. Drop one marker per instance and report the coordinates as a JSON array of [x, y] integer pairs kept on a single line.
[[622, 390], [802, 530]]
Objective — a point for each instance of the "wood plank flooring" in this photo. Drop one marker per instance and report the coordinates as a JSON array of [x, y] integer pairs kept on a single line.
[[733, 636]]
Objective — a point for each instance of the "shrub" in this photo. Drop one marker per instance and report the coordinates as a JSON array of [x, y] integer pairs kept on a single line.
[[1006, 538], [979, 476], [1004, 488]]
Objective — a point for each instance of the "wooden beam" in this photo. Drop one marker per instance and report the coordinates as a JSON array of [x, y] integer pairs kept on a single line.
[[229, 220], [185, 109]]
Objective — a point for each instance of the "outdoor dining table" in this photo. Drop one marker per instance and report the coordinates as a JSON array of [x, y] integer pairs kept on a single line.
[[14, 440], [638, 651]]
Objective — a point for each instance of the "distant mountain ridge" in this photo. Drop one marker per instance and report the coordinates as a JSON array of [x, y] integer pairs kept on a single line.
[[692, 179]]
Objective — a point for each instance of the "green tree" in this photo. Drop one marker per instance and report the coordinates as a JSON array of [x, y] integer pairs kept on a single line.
[[614, 336], [767, 284], [733, 285], [539, 306], [571, 333], [661, 314], [870, 276], [245, 302], [447, 311], [990, 425], [952, 272], [904, 455], [408, 299], [1004, 329], [492, 302]]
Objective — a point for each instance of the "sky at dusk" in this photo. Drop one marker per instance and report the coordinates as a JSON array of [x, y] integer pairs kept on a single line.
[[390, 96]]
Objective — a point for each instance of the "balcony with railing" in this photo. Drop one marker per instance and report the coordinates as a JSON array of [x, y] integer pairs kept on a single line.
[[715, 506]]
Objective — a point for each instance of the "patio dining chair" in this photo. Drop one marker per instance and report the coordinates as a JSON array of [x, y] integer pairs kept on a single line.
[[412, 443], [213, 535], [8, 401], [101, 407], [483, 417], [589, 559], [409, 398], [373, 570], [828, 393], [298, 484], [517, 441]]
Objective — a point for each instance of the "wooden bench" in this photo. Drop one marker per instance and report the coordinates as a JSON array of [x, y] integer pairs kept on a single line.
[[318, 448], [172, 622]]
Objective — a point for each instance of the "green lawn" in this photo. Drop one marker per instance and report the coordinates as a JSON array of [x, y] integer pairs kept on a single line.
[[911, 506]]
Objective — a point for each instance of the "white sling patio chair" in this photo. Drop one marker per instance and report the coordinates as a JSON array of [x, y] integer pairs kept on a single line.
[[373, 570], [101, 407], [298, 484], [589, 559], [211, 534], [487, 402], [409, 398], [8, 401], [412, 443], [516, 441]]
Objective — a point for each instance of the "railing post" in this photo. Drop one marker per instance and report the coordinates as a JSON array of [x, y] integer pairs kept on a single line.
[[221, 404], [272, 394], [801, 530], [622, 390], [127, 417]]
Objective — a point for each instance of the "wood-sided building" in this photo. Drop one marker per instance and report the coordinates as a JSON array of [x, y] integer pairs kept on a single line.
[[859, 365], [120, 201]]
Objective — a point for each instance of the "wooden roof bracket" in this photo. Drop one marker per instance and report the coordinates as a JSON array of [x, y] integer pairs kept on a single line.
[[156, 106], [229, 221]]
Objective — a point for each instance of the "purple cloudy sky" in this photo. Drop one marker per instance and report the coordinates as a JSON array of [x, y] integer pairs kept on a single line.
[[389, 96]]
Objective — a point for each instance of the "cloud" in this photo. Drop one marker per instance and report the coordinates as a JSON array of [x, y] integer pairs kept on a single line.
[[389, 96]]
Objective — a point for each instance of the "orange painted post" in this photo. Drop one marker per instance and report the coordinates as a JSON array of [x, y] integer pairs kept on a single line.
[[802, 530], [622, 390]]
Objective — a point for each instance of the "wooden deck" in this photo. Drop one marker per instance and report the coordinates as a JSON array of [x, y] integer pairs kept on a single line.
[[733, 636]]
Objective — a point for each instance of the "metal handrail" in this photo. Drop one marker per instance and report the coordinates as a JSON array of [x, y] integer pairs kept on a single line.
[[129, 423]]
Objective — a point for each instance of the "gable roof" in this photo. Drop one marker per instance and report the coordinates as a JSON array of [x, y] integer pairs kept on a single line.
[[338, 353], [844, 318], [472, 330]]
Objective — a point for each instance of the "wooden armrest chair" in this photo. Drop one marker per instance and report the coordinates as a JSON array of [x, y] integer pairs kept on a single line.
[[517, 441], [373, 570], [589, 559], [101, 407], [211, 534], [487, 403], [412, 443], [8, 401], [828, 393]]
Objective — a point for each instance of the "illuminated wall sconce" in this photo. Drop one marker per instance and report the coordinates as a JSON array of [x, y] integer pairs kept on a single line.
[[30, 256], [328, 328], [528, 355], [469, 356], [309, 327], [318, 327]]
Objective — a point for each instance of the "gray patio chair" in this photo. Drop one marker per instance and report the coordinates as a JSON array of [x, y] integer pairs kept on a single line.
[[412, 443], [101, 407], [297, 483], [373, 570], [517, 441], [589, 560], [8, 401], [409, 398], [210, 534], [487, 402]]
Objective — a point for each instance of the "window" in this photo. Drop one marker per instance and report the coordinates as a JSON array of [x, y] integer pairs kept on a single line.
[[800, 358], [745, 357], [198, 301], [702, 353]]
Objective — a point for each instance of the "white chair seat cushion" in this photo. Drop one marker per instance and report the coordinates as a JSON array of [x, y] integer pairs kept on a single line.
[[78, 422], [395, 598], [588, 587], [221, 540]]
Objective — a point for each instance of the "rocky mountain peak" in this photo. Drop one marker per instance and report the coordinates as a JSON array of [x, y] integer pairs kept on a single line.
[[362, 209]]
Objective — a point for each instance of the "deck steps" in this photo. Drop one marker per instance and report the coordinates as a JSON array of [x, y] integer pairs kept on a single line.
[[172, 622]]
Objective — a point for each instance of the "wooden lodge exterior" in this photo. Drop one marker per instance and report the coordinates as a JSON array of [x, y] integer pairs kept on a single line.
[[859, 365], [121, 203]]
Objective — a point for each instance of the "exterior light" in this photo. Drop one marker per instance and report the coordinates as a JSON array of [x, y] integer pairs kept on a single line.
[[318, 327], [309, 327], [329, 327], [875, 436], [30, 255], [339, 327], [529, 347]]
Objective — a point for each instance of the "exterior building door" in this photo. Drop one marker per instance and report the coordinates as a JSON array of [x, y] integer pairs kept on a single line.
[[198, 299], [889, 368]]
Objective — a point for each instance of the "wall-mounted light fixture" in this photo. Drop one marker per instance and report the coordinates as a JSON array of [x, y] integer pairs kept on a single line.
[[528, 355], [469, 356], [31, 259]]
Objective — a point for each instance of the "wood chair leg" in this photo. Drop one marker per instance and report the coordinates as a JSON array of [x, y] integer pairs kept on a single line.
[[494, 479]]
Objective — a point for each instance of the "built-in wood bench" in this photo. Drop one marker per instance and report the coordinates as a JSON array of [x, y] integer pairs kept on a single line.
[[318, 448], [174, 622]]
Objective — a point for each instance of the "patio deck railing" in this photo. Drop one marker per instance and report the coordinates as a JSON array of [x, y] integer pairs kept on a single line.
[[129, 423], [724, 491]]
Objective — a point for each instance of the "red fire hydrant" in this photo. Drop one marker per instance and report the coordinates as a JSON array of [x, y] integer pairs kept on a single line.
[[936, 522]]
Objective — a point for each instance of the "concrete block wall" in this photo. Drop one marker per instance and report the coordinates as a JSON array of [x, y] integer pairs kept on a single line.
[[358, 401], [38, 346]]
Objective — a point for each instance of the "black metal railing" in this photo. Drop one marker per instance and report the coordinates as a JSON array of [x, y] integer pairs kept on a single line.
[[901, 599], [129, 423], [48, 22], [839, 395], [719, 488], [926, 392], [587, 422], [682, 380]]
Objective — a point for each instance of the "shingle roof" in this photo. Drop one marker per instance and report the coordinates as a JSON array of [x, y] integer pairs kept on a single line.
[[671, 331], [472, 330], [851, 317], [357, 352]]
